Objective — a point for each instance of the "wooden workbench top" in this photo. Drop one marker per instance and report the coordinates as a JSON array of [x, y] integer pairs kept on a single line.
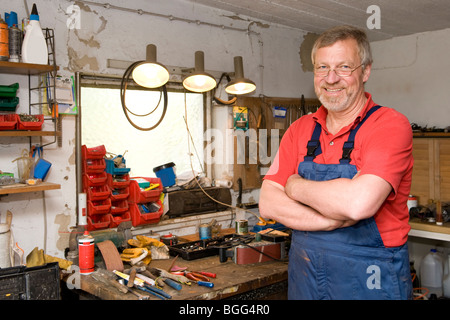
[[232, 279]]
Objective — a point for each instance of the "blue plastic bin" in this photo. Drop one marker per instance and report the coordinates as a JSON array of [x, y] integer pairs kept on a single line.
[[166, 173]]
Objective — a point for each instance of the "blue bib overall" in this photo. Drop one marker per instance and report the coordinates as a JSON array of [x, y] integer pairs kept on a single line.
[[347, 263]]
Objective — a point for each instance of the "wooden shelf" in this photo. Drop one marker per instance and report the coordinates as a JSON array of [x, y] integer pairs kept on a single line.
[[429, 230], [22, 188], [431, 134], [24, 68], [29, 133]]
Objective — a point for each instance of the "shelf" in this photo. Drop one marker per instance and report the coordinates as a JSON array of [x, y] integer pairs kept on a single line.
[[22, 188], [431, 134], [429, 230], [24, 68], [29, 133]]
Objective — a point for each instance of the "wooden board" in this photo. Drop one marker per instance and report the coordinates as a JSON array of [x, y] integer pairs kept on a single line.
[[431, 172], [260, 116]]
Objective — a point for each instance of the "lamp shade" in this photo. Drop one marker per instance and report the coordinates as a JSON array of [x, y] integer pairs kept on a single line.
[[199, 81], [149, 73], [239, 85]]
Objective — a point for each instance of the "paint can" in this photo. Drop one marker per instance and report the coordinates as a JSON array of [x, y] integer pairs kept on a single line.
[[169, 239], [86, 253], [4, 41], [241, 227], [204, 231]]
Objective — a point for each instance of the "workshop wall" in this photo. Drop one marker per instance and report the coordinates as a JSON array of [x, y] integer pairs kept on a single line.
[[270, 55], [409, 75]]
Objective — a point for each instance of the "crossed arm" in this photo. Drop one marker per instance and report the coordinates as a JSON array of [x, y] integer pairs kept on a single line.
[[323, 205]]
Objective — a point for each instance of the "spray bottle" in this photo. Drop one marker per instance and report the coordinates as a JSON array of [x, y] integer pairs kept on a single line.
[[34, 47]]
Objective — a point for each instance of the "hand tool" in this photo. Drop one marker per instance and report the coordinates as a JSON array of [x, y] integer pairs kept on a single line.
[[133, 291], [131, 278], [137, 281], [147, 280], [163, 273], [195, 276], [208, 274], [158, 281], [199, 279], [158, 291], [102, 278], [152, 292]]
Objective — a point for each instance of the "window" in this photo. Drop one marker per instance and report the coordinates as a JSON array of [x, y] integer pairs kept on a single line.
[[103, 122]]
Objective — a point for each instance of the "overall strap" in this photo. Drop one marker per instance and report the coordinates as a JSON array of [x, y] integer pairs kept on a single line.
[[350, 143], [313, 146]]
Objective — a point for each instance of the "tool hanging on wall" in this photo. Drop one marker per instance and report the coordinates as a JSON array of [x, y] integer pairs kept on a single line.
[[240, 118]]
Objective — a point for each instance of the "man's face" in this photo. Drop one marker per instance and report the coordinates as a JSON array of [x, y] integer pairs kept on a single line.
[[334, 92]]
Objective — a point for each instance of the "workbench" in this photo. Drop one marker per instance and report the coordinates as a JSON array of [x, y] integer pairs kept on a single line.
[[257, 281], [267, 280]]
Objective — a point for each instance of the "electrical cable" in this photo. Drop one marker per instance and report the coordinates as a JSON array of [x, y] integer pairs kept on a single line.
[[218, 100], [123, 88], [198, 183]]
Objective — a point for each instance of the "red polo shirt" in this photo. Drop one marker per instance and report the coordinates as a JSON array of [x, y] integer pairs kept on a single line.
[[383, 147]]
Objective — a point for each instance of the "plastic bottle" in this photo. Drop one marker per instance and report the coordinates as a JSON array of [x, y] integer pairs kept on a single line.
[[446, 280], [34, 47], [431, 272], [15, 36]]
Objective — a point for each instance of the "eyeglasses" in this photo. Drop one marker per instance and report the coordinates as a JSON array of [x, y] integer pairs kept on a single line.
[[341, 71]]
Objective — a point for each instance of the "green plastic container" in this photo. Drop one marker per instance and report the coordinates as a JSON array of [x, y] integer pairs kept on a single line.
[[9, 91], [9, 104]]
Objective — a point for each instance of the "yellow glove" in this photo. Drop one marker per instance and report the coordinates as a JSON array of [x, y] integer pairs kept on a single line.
[[147, 241], [134, 255]]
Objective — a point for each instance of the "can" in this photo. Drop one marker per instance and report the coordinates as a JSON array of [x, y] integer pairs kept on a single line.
[[204, 231], [86, 253], [4, 41], [169, 239], [241, 227]]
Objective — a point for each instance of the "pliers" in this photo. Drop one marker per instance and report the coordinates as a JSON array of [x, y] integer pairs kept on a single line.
[[199, 278]]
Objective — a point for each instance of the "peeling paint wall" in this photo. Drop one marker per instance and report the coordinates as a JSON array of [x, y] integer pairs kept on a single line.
[[270, 54]]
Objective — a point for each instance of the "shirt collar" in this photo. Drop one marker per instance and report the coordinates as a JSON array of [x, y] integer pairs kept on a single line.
[[320, 115]]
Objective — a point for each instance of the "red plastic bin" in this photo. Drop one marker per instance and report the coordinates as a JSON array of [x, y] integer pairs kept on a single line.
[[94, 179], [94, 165], [98, 193], [118, 207], [98, 222], [138, 218], [30, 125], [119, 218], [137, 195], [93, 153], [99, 207], [118, 182], [120, 194], [8, 121]]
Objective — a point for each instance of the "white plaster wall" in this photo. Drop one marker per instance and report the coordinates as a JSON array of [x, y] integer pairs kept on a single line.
[[271, 59], [410, 74]]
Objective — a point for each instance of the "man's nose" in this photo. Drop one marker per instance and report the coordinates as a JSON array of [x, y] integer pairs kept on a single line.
[[332, 77]]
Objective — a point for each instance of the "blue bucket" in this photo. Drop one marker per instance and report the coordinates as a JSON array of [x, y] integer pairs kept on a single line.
[[166, 173]]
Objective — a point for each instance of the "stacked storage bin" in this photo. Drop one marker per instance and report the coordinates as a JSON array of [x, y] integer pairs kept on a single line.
[[95, 186], [8, 103], [145, 202], [118, 181]]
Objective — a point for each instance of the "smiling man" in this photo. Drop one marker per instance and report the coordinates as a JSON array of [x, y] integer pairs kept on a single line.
[[341, 179]]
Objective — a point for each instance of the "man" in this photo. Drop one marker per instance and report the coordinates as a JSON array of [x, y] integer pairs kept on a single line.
[[340, 180]]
